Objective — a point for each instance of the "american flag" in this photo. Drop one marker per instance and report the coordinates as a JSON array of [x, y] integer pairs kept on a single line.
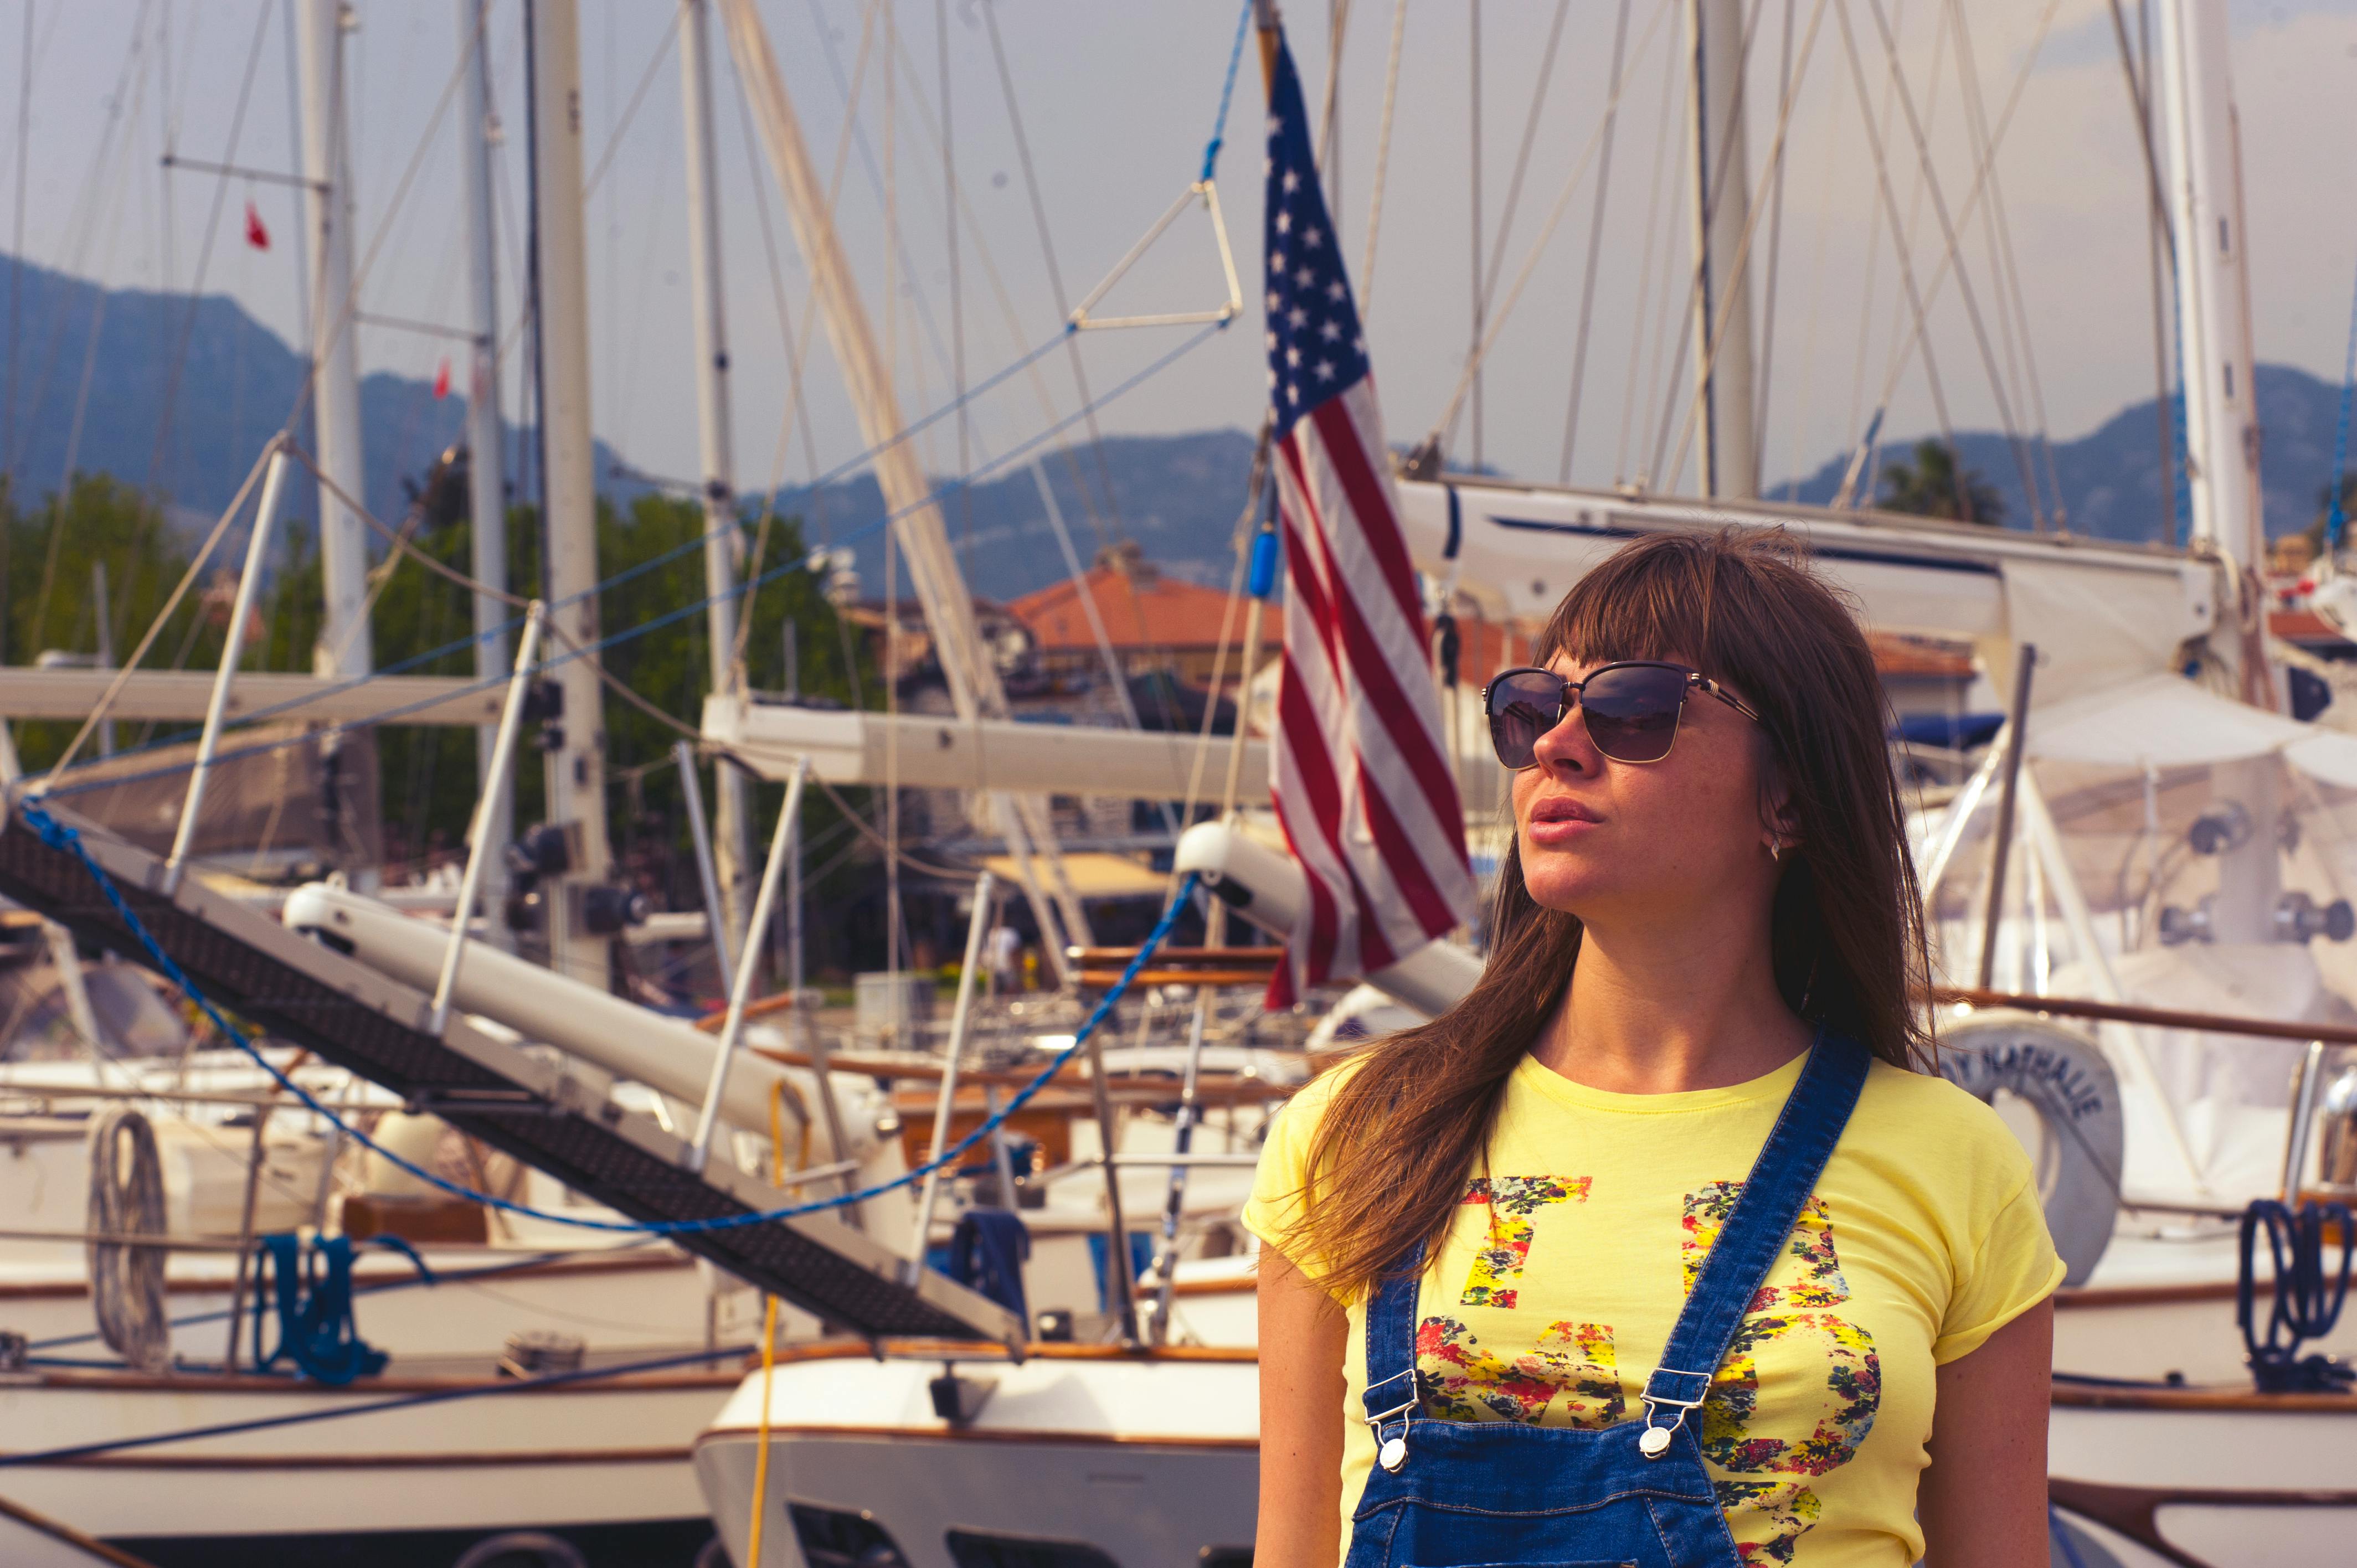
[[1363, 783]]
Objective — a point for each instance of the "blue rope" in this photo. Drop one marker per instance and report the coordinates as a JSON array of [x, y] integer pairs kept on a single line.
[[1227, 92], [58, 835], [2334, 517], [486, 1389]]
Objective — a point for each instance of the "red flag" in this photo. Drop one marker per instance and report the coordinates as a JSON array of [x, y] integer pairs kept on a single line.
[[442, 380], [1362, 786], [256, 234]]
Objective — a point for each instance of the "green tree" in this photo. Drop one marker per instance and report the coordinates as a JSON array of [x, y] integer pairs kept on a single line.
[[1930, 485], [52, 559], [421, 623], [2315, 530]]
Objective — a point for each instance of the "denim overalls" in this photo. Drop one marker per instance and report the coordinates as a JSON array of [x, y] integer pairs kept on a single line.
[[1446, 1494]]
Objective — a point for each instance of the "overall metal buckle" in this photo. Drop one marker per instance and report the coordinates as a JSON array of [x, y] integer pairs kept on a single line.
[[1654, 1441], [1391, 1453]]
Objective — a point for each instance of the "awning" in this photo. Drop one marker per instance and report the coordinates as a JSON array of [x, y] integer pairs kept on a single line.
[[1094, 873], [2163, 721]]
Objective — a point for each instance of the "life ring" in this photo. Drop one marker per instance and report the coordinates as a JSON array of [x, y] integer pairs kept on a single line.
[[2066, 1079]]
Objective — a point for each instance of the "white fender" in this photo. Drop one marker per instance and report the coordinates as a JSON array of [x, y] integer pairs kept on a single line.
[[1266, 889], [2065, 1078]]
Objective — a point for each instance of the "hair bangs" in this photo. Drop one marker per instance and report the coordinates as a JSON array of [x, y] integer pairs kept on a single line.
[[1656, 604]]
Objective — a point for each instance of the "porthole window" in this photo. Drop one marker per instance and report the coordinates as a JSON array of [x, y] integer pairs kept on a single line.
[[838, 1538]]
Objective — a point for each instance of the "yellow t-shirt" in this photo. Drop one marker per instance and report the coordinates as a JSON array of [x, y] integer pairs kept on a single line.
[[1577, 1243]]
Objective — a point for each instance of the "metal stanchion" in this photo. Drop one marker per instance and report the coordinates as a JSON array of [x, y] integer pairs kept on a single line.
[[944, 1106], [714, 915], [740, 992], [494, 787], [248, 584]]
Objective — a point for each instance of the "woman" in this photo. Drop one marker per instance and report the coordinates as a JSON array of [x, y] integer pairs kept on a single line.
[[1612, 1320]]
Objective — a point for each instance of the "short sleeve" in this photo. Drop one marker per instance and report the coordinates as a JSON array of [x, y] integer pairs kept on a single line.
[[1280, 1191], [2014, 1268]]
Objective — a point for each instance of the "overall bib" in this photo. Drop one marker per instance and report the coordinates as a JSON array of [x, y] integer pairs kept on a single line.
[[1446, 1494]]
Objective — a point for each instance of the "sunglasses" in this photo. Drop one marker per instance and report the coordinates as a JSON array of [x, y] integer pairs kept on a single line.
[[1633, 709]]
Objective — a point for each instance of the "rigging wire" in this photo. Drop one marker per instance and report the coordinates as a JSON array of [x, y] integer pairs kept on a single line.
[[1764, 380], [1595, 244], [1522, 153], [1473, 230], [204, 257], [2159, 247], [1056, 272], [16, 288], [1948, 261], [1809, 334], [82, 224], [629, 110], [1890, 206], [1628, 399], [1467, 380], [1382, 156], [59, 836], [2001, 246], [1963, 281]]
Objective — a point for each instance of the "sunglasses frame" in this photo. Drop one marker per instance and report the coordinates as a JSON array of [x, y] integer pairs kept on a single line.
[[1695, 681]]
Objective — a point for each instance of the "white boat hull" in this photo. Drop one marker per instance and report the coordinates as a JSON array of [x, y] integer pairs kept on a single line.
[[607, 1460], [1153, 1461]]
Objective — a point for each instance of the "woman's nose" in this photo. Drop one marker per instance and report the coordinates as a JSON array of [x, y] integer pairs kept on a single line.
[[1567, 745]]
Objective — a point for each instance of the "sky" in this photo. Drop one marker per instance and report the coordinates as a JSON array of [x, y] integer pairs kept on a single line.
[[1117, 102]]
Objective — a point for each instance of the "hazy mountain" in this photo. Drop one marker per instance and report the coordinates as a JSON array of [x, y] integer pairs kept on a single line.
[[2111, 476], [180, 396]]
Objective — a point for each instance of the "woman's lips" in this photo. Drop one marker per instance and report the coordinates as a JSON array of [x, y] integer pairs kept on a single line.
[[1559, 819]]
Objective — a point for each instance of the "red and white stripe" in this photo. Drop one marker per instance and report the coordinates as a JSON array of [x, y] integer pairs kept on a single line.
[[1363, 788]]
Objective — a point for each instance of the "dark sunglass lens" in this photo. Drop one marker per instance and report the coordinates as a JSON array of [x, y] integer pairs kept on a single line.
[[1633, 711], [1522, 708]]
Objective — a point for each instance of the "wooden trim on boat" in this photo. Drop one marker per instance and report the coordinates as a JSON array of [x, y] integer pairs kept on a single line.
[[236, 1463], [983, 1350], [57, 1530], [109, 1382], [53, 1290], [2083, 1296], [2073, 1394], [2160, 1017], [1248, 1286], [2132, 1510], [1085, 1439]]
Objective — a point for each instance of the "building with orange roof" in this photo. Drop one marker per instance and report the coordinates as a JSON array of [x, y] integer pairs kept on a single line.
[[1155, 624]]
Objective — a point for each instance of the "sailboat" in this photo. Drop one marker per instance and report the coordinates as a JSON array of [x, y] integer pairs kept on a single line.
[[2168, 1034]]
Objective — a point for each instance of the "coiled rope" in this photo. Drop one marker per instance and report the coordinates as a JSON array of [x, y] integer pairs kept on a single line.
[[126, 1198]]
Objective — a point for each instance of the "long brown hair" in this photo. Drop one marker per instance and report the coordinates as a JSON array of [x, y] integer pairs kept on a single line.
[[1388, 1163]]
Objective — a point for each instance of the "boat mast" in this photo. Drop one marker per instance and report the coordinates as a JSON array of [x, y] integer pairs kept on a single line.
[[2213, 285], [486, 441], [1720, 195], [732, 823], [319, 28], [923, 538], [576, 767]]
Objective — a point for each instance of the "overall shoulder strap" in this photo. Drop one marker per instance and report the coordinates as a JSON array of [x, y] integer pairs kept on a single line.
[[1390, 1339], [1781, 1181]]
